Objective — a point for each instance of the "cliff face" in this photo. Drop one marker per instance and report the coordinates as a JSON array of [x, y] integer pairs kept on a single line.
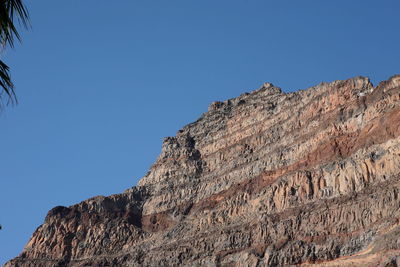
[[265, 179]]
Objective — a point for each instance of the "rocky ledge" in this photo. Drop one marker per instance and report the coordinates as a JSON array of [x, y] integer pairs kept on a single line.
[[310, 178]]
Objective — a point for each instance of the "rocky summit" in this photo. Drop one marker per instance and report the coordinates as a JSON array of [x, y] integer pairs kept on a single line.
[[310, 178]]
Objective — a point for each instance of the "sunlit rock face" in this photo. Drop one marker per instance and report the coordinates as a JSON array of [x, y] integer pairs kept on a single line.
[[310, 178]]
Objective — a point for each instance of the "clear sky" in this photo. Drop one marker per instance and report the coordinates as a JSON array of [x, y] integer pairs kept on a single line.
[[100, 83]]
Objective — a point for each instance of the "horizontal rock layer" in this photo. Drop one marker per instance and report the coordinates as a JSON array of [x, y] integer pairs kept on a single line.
[[310, 178]]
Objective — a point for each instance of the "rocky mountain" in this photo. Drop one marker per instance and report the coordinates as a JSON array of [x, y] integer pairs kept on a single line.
[[310, 178]]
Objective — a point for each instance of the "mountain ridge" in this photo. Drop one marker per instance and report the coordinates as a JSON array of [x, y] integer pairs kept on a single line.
[[265, 179]]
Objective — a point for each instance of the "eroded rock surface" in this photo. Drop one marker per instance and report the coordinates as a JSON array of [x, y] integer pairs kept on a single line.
[[310, 178]]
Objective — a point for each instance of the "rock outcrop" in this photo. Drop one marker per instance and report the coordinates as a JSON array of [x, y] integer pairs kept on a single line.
[[310, 178]]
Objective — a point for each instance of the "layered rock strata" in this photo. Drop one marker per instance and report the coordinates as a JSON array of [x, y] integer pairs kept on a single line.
[[310, 178]]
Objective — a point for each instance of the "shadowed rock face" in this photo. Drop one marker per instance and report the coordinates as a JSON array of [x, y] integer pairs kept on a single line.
[[310, 178]]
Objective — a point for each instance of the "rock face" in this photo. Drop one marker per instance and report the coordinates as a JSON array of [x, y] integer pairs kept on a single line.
[[310, 178]]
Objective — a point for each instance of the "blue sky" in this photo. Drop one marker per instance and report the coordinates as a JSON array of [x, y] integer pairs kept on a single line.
[[100, 83]]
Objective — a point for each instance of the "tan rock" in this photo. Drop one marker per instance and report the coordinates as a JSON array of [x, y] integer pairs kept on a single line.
[[310, 178]]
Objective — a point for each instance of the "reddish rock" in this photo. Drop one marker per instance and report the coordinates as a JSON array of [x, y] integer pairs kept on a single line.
[[310, 178]]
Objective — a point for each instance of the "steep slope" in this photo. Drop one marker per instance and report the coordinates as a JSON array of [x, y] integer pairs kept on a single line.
[[309, 178]]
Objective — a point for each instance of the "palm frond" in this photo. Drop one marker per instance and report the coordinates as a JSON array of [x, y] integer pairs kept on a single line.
[[6, 83], [10, 12]]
